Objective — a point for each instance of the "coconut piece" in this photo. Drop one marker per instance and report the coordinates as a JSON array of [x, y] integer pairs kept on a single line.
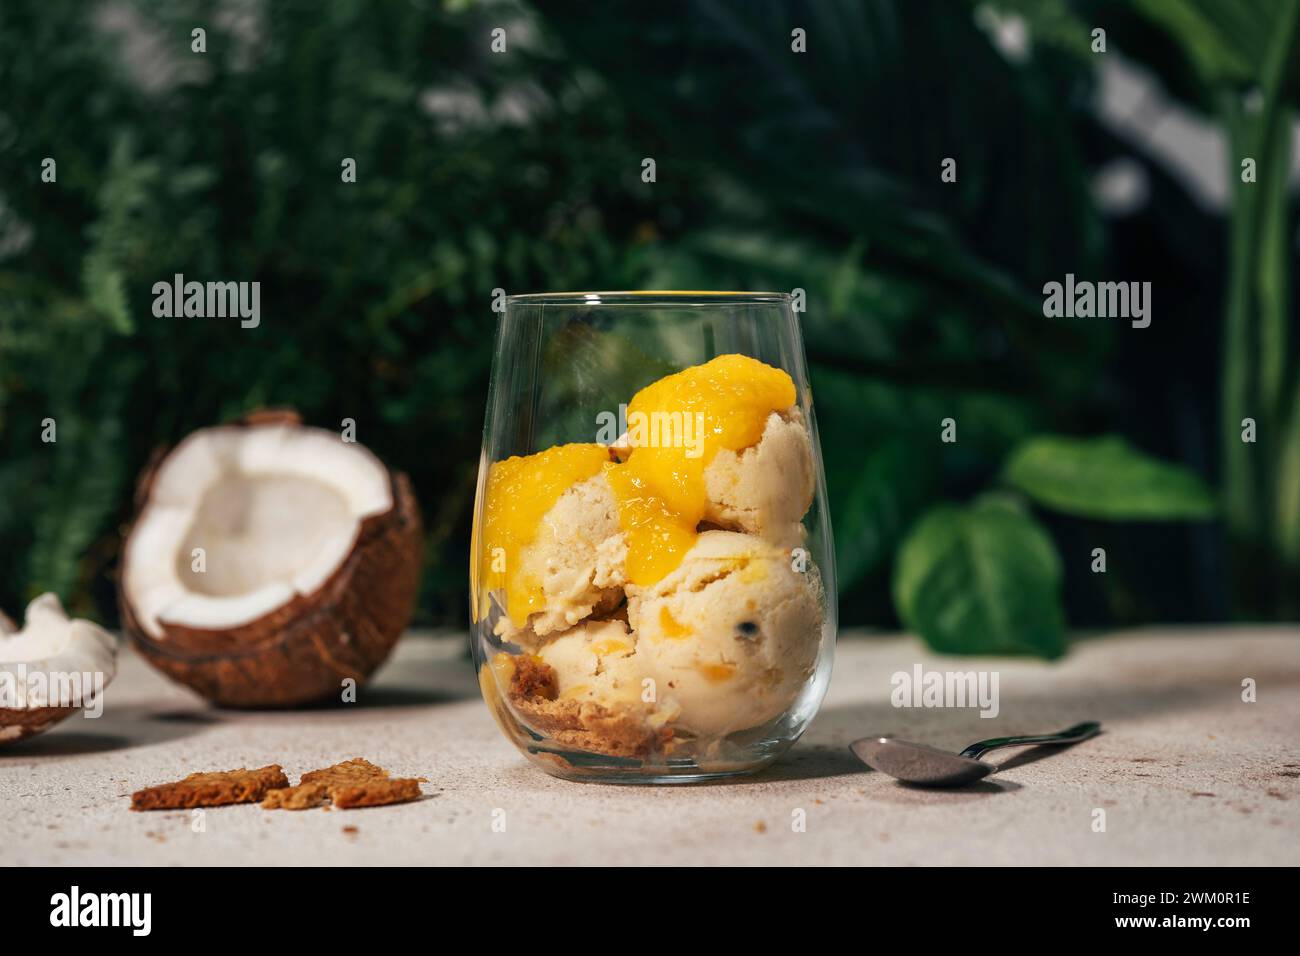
[[50, 668], [269, 562]]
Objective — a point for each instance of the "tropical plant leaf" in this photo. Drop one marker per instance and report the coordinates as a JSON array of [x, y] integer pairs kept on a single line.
[[1106, 478], [981, 579], [1226, 41]]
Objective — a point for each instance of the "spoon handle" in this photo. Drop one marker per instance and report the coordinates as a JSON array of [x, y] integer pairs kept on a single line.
[[1071, 736]]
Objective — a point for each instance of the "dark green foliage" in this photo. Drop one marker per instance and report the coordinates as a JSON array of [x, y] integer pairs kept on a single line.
[[375, 295], [478, 171]]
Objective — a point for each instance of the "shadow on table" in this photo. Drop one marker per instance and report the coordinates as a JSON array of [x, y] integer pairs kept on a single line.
[[446, 683], [415, 696], [420, 684], [819, 761], [65, 744], [807, 762], [1051, 710], [370, 698], [823, 751], [120, 727], [812, 762], [397, 684]]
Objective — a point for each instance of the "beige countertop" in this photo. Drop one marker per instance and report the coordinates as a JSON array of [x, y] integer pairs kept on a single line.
[[1186, 772]]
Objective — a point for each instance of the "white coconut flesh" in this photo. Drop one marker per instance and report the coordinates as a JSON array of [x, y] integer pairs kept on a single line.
[[242, 520], [52, 644]]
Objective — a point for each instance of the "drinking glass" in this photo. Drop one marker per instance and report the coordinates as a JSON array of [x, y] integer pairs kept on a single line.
[[605, 650]]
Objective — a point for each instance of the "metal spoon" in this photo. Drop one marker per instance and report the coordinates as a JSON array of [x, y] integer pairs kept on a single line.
[[931, 767]]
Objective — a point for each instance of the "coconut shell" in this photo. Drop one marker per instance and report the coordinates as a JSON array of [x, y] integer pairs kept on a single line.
[[19, 724], [302, 652]]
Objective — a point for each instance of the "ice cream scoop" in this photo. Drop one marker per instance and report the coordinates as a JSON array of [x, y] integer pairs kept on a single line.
[[932, 767], [595, 661], [693, 519], [764, 489], [731, 635], [576, 558], [676, 426], [519, 493]]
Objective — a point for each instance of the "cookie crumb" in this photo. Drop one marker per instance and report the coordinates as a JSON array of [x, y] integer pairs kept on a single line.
[[532, 687], [212, 789], [352, 783]]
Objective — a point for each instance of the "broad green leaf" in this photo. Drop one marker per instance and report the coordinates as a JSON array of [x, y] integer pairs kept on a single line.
[[1106, 478], [981, 579]]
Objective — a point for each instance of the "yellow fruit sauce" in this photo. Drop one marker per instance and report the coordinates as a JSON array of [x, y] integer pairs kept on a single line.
[[519, 493], [660, 488], [675, 427]]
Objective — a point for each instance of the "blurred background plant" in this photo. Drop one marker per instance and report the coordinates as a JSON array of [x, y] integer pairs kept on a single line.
[[775, 169]]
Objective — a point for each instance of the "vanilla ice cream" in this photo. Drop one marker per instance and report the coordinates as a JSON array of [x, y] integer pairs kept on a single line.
[[767, 488], [577, 558], [731, 636], [723, 619], [595, 661]]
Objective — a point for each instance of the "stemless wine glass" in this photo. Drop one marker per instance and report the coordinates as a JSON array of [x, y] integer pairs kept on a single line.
[[652, 575]]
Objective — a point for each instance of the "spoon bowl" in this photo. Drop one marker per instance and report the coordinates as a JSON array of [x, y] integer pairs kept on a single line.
[[931, 767], [919, 764]]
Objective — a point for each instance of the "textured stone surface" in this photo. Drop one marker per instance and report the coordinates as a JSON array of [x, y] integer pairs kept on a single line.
[[1186, 772]]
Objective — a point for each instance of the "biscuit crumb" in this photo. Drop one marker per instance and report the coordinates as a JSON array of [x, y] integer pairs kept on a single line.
[[301, 797], [584, 725], [212, 789], [353, 783], [531, 677]]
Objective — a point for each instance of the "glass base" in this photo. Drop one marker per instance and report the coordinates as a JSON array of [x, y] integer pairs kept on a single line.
[[692, 761], [584, 767]]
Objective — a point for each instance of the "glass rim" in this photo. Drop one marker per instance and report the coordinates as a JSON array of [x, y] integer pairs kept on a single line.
[[649, 296]]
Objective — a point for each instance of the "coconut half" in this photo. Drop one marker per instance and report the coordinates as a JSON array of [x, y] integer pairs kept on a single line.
[[50, 668], [269, 562]]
